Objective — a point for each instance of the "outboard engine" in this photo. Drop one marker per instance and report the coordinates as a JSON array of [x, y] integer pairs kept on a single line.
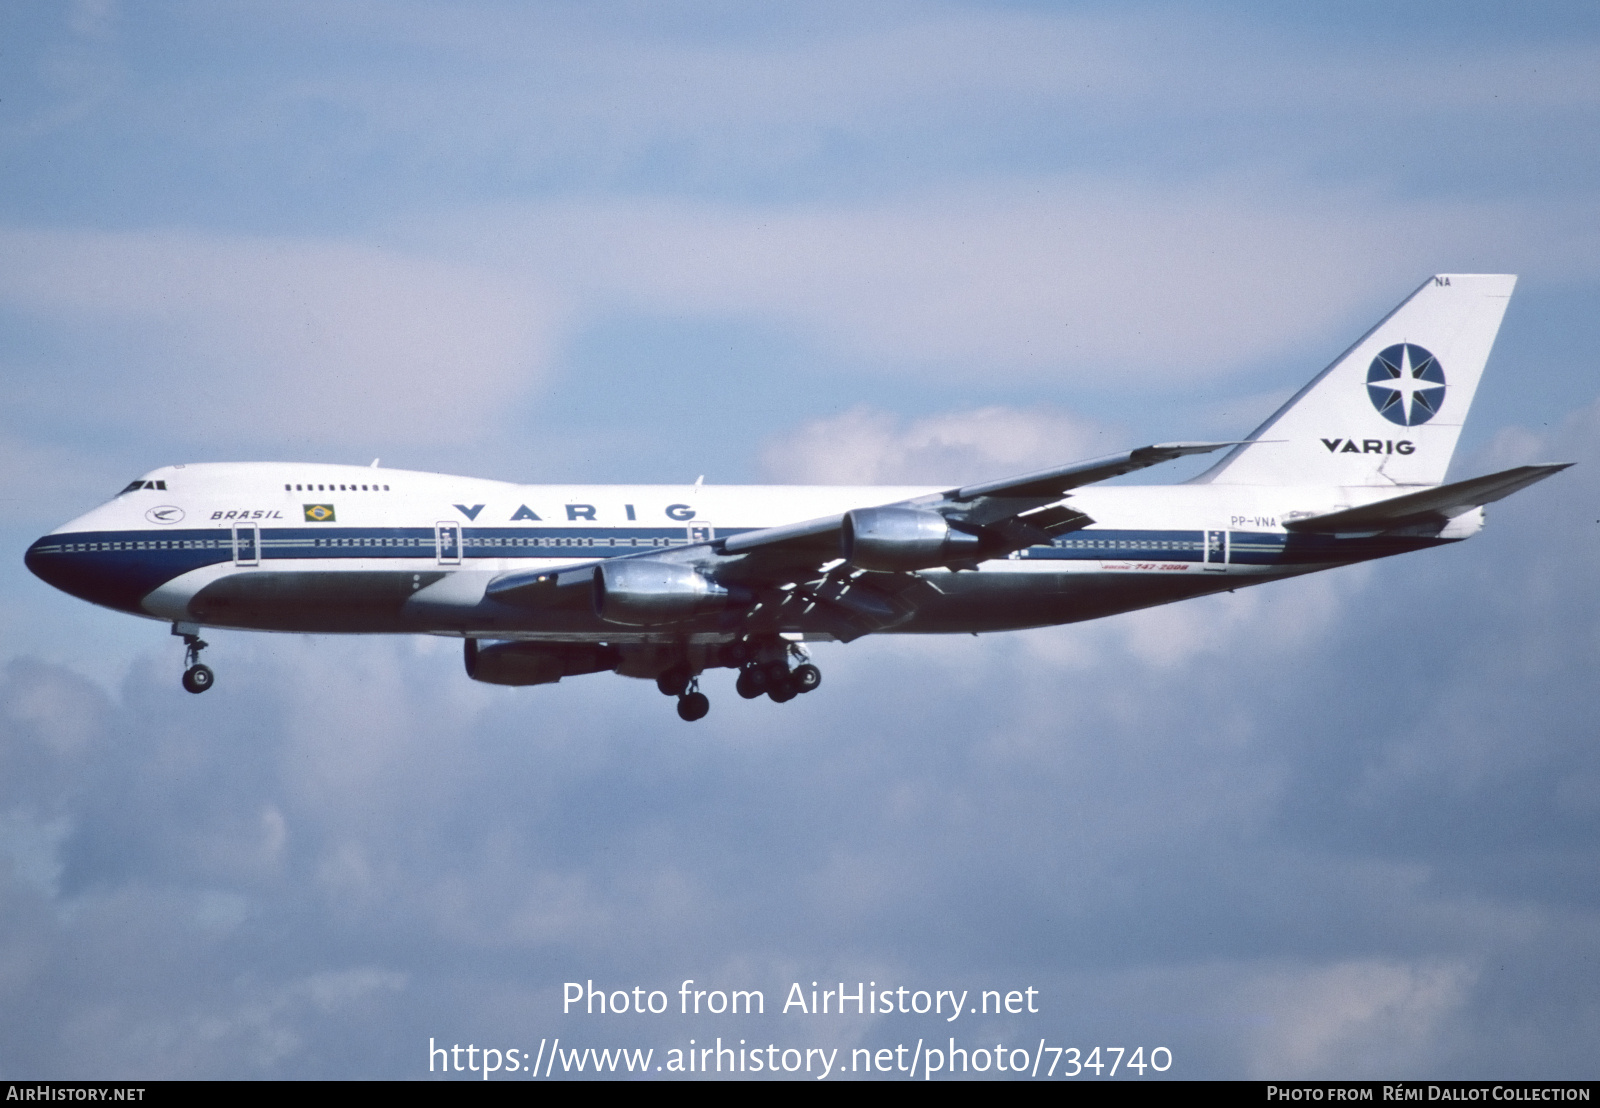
[[903, 539], [536, 663], [644, 592]]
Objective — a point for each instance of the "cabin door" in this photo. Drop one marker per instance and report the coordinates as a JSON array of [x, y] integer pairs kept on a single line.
[[447, 540], [246, 544]]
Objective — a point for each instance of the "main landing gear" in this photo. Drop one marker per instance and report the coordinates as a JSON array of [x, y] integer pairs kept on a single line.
[[679, 682], [693, 705], [197, 678], [764, 670], [780, 683]]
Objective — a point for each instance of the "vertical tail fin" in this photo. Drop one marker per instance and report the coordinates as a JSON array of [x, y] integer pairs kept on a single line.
[[1390, 409]]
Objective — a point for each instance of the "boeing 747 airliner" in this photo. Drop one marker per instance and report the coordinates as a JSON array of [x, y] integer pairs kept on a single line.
[[666, 582]]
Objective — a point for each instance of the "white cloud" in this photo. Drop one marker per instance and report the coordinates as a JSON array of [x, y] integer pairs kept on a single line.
[[51, 709], [866, 447], [31, 848], [1360, 1018], [1106, 283], [731, 94], [1095, 282], [635, 80], [1106, 286], [1176, 787], [1287, 616], [229, 337]]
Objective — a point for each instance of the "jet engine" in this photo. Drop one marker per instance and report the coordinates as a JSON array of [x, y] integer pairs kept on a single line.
[[536, 663], [644, 592], [902, 539]]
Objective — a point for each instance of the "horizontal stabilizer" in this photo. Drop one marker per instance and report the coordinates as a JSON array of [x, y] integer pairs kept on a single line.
[[1430, 505]]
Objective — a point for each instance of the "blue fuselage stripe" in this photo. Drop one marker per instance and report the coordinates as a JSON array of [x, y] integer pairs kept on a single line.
[[118, 568]]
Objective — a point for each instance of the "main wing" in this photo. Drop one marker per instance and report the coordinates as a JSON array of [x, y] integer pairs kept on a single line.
[[997, 516], [854, 570]]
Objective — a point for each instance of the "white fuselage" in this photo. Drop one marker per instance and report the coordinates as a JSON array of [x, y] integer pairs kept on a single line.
[[287, 547]]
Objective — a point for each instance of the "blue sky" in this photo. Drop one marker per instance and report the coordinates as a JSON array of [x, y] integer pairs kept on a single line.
[[1344, 826]]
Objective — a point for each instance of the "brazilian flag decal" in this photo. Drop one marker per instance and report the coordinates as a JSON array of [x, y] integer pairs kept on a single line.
[[319, 513]]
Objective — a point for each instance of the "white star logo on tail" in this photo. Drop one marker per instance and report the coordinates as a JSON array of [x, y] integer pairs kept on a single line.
[[1406, 384]]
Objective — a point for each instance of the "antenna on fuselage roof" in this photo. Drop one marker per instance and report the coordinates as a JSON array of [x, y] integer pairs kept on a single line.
[[374, 464]]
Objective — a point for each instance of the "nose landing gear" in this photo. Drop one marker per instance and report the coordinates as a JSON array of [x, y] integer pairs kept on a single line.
[[197, 678]]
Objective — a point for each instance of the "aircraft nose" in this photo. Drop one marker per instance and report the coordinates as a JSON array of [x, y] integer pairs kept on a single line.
[[97, 576], [40, 563]]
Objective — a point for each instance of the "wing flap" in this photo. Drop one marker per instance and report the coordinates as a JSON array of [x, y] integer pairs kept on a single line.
[[859, 604]]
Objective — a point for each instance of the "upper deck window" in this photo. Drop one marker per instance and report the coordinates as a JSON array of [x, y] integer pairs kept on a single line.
[[309, 487]]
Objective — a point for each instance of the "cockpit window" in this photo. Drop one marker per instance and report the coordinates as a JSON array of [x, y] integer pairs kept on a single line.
[[135, 486]]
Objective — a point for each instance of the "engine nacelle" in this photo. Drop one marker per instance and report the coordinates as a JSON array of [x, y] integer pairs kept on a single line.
[[644, 592], [536, 663], [902, 539]]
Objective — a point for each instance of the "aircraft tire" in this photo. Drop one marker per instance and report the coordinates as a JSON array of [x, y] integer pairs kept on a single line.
[[693, 706], [198, 678], [783, 692], [751, 684], [806, 677], [674, 681]]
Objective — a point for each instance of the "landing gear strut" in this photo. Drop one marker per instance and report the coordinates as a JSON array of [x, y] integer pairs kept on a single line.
[[680, 681], [693, 704], [197, 678], [675, 681]]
